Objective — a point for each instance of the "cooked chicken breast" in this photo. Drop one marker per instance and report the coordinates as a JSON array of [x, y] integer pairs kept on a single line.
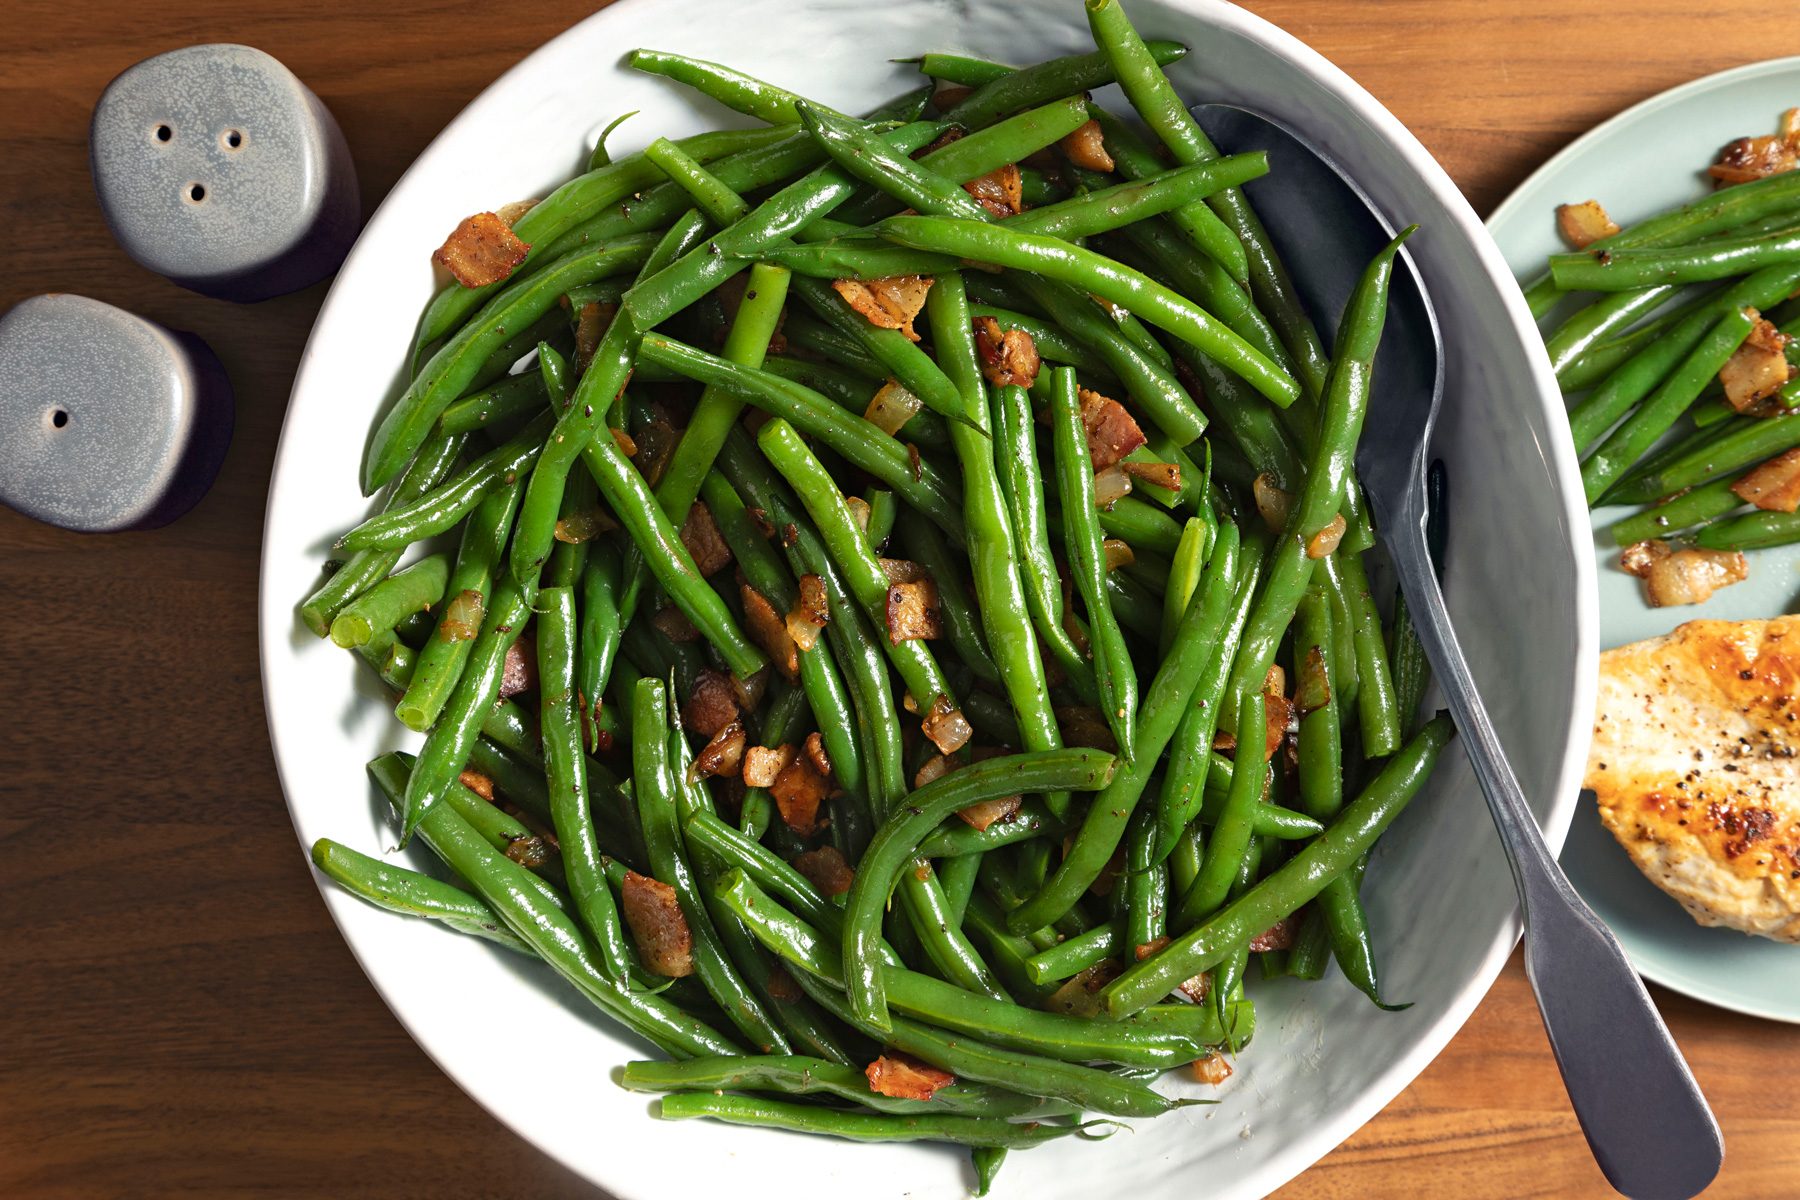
[[1694, 764]]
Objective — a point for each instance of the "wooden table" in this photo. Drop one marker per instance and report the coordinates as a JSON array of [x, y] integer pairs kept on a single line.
[[181, 1017]]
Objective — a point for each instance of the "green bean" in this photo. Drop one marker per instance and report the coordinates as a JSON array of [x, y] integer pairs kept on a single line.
[[735, 90], [1723, 211], [1411, 667], [1752, 531], [1697, 507], [444, 379], [859, 440], [1008, 90], [515, 894], [940, 938], [925, 544], [1377, 705], [864, 155], [1110, 281], [1159, 251], [1740, 447], [857, 1126], [441, 660], [442, 507], [892, 350], [1148, 196], [673, 567], [1051, 342], [897, 841], [993, 552], [652, 301], [1289, 886], [1321, 494], [799, 1075], [857, 258], [402, 891], [514, 398], [1610, 270], [1072, 956], [1321, 752], [1596, 412], [656, 787], [1626, 444], [1184, 578], [1115, 678], [1023, 492], [1224, 608], [956, 839], [1609, 314], [846, 388], [1231, 838], [415, 589], [366, 567]]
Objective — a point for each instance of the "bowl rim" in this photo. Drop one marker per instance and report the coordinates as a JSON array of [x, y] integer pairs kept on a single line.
[[1307, 1148]]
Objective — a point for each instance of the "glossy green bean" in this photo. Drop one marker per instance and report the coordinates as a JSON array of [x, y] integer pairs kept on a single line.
[[414, 589], [517, 397], [1008, 89], [407, 892], [1231, 837], [800, 1075], [735, 90], [896, 355], [1699, 506], [445, 505], [1148, 196], [1739, 447], [1752, 531], [924, 543], [859, 1126], [1614, 270]]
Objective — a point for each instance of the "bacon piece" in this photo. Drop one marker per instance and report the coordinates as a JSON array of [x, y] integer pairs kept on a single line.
[[478, 783], [826, 869], [1758, 368], [1212, 1069], [657, 925], [1087, 149], [1009, 358], [1279, 936], [815, 750], [1584, 224], [913, 612], [889, 303], [1001, 191], [799, 790], [1775, 485], [989, 812], [771, 632], [590, 327], [481, 250], [1687, 576], [723, 755], [1111, 431], [906, 1078], [673, 624], [519, 672], [712, 705], [810, 614], [764, 764], [700, 534], [1750, 158]]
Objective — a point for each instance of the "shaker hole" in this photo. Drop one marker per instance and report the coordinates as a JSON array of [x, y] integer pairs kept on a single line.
[[234, 139], [164, 133], [196, 193], [59, 418]]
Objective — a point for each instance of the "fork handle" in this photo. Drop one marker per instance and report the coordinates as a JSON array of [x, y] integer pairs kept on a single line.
[[1645, 1120]]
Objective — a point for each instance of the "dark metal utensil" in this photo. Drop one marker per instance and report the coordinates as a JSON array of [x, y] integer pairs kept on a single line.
[[1645, 1119]]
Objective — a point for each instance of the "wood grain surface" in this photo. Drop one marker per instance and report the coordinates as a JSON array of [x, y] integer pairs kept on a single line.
[[180, 1016]]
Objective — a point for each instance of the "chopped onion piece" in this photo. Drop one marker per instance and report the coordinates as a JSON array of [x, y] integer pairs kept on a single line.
[[1272, 501], [1157, 474], [946, 726], [1111, 486], [1584, 224], [892, 407], [1774, 486], [462, 617], [1326, 540], [723, 755], [1118, 553]]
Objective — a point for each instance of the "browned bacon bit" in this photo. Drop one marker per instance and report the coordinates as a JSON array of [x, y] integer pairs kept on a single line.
[[529, 851], [815, 750], [1750, 158], [1312, 690], [623, 440], [1111, 431], [760, 519], [712, 705], [1001, 191], [656, 444], [481, 250], [799, 790], [723, 755], [912, 454], [1158, 474], [700, 534], [478, 783], [1584, 224], [1279, 936], [1087, 149], [810, 613], [1009, 358], [1758, 368], [1278, 710], [590, 327], [519, 672], [906, 1078], [1194, 989], [673, 624], [826, 869], [657, 925], [1212, 1069], [1224, 743], [1775, 485], [771, 632], [988, 812], [946, 727], [1686, 576], [889, 303], [1080, 996], [913, 612], [762, 764]]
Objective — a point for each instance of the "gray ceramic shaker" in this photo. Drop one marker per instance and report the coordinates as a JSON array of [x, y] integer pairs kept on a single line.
[[107, 421], [218, 168]]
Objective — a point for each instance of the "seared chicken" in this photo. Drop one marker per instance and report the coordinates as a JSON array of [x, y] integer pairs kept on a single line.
[[1694, 764]]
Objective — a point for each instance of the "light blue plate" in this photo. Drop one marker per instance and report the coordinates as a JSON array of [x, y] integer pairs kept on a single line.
[[1644, 160]]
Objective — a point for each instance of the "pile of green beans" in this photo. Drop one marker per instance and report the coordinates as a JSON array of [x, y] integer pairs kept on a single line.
[[1639, 326], [1063, 754]]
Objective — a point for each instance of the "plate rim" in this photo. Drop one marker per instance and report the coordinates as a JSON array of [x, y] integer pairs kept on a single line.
[[1508, 209], [1383, 1086]]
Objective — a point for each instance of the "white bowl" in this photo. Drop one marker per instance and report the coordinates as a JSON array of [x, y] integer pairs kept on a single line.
[[1520, 584]]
